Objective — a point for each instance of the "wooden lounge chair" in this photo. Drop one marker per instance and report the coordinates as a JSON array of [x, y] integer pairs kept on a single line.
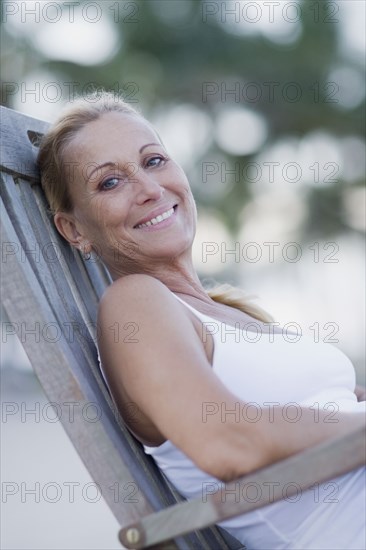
[[46, 286]]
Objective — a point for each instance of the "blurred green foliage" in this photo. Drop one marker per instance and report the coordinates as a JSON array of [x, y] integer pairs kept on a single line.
[[171, 48]]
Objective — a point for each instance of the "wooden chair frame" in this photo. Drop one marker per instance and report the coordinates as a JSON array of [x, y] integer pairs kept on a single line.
[[46, 284]]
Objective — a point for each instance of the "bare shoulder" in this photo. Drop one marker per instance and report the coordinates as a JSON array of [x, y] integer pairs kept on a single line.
[[133, 283], [134, 292]]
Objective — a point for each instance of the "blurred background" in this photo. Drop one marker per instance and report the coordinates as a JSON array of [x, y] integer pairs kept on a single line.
[[263, 104]]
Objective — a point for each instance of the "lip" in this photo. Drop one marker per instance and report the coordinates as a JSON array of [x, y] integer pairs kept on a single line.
[[154, 214]]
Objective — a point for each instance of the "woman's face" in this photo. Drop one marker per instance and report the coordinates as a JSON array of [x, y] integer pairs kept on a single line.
[[132, 202]]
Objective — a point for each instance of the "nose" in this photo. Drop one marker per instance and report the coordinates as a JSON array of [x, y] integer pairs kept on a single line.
[[147, 187]]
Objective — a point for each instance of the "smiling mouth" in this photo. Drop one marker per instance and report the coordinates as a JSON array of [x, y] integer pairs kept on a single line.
[[155, 221]]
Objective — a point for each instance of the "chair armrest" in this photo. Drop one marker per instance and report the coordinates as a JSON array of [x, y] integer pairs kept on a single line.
[[281, 479]]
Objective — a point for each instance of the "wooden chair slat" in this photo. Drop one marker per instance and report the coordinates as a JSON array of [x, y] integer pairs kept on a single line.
[[50, 274], [17, 152], [55, 365]]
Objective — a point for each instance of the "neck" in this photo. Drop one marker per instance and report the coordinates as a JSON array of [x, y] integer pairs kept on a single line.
[[179, 276]]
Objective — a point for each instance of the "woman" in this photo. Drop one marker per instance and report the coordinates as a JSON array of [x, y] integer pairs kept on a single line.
[[208, 407]]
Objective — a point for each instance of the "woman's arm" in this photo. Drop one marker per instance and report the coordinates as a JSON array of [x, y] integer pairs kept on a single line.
[[165, 372]]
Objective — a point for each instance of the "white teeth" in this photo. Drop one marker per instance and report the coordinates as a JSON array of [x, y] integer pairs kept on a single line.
[[158, 219]]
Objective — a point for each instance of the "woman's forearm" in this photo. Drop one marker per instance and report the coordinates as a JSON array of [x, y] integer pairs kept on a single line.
[[292, 432], [277, 433]]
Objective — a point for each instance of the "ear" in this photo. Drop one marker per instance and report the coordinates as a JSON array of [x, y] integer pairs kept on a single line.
[[68, 227]]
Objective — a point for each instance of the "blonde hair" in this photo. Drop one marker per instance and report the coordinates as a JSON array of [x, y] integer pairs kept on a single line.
[[54, 176], [235, 297]]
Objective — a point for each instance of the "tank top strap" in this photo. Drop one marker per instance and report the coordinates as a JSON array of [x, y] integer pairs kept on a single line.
[[201, 316]]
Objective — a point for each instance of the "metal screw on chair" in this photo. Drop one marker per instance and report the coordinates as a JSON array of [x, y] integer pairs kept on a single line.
[[133, 535]]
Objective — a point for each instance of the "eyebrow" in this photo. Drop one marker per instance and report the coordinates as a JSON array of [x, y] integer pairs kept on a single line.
[[99, 167], [110, 163], [147, 145]]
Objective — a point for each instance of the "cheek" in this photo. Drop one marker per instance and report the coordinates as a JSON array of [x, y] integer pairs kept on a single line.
[[192, 202], [107, 211], [109, 221]]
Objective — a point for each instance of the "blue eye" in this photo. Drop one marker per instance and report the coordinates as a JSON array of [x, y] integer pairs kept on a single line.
[[155, 161], [109, 183]]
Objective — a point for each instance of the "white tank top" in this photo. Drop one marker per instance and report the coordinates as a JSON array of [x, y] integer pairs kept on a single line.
[[293, 370]]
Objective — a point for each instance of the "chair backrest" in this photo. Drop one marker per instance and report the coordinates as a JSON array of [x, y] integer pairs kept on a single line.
[[51, 296]]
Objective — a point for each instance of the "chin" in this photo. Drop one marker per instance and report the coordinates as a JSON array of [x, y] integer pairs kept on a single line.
[[170, 251]]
